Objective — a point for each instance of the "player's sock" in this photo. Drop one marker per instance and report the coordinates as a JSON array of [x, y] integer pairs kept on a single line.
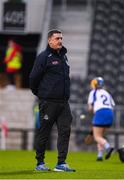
[[107, 145], [100, 153]]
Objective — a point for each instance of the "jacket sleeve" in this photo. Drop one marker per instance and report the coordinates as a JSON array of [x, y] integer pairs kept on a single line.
[[37, 72]]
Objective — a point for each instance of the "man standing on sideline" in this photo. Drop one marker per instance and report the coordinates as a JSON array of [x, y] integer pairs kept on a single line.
[[50, 82]]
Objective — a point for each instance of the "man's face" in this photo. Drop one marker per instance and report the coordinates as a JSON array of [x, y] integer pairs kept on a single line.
[[55, 41]]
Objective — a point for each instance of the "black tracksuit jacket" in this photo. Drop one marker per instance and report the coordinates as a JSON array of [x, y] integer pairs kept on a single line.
[[49, 78]]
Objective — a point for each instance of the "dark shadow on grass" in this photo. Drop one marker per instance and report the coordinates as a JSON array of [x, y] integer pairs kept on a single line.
[[24, 172]]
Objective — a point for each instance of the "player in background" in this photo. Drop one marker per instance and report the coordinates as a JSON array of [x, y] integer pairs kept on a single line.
[[101, 103]]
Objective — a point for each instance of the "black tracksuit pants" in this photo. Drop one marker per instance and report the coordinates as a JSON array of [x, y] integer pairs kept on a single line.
[[53, 112]]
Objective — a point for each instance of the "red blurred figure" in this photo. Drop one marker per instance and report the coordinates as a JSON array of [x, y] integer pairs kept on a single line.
[[4, 127], [13, 61], [4, 132]]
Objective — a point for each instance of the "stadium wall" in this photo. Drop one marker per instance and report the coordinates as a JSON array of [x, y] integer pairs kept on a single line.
[[16, 108]]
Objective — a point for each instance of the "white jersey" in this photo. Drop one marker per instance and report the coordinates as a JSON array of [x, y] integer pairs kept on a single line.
[[100, 98]]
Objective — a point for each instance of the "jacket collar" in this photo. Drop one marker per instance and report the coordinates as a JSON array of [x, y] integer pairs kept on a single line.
[[63, 50]]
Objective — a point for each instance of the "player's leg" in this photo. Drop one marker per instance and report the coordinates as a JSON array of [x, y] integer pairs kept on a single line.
[[98, 136], [100, 152], [108, 148]]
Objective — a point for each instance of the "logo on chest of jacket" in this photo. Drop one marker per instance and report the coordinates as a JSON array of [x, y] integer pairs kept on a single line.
[[55, 62]]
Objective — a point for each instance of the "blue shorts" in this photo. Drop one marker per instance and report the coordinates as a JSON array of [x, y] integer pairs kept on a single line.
[[103, 117]]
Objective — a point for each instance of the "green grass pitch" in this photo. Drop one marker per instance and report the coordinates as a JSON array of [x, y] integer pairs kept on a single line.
[[20, 165]]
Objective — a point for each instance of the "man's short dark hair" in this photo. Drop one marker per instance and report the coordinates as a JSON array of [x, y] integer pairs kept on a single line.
[[53, 31]]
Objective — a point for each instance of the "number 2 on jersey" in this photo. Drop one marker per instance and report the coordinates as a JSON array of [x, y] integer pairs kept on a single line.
[[105, 100]]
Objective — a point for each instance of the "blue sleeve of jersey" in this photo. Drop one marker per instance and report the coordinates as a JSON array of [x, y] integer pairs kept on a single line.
[[94, 97]]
